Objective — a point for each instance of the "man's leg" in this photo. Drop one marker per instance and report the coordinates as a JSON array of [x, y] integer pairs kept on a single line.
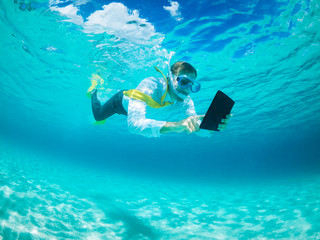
[[112, 106]]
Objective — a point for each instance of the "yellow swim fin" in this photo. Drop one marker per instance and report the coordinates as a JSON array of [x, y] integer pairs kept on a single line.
[[100, 122], [94, 83]]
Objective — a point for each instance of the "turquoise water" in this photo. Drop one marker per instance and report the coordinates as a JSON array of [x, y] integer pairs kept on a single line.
[[43, 198], [61, 177]]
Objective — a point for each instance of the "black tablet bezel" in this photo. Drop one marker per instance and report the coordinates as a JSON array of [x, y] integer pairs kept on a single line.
[[220, 107]]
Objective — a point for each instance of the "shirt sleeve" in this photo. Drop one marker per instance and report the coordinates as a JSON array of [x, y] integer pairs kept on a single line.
[[137, 121], [189, 107], [191, 111]]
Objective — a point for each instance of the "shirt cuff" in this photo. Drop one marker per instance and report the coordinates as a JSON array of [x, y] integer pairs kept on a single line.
[[157, 127]]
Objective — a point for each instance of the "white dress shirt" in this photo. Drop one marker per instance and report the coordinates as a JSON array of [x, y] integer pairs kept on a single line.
[[148, 121]]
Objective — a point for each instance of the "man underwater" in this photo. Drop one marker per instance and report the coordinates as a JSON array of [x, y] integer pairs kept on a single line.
[[152, 98]]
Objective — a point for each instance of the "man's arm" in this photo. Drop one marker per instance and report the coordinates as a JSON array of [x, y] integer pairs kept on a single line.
[[188, 125], [137, 121], [139, 124], [192, 123]]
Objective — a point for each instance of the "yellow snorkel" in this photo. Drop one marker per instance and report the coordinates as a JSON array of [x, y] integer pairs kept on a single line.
[[138, 95]]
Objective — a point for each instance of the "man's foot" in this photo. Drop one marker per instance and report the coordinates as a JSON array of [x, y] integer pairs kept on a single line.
[[94, 83], [100, 122]]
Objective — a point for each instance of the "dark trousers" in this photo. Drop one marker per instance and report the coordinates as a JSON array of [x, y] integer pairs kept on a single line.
[[112, 106]]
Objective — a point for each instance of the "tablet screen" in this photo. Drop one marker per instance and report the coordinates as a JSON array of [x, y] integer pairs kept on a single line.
[[220, 107]]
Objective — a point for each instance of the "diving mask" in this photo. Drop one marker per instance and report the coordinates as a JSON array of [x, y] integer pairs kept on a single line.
[[185, 82]]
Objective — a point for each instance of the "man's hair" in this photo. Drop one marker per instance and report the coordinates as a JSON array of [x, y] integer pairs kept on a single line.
[[184, 67]]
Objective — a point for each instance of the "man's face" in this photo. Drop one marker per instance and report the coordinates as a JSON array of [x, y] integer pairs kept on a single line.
[[184, 91]]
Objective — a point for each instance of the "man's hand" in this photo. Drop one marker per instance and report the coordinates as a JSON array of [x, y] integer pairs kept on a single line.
[[224, 122], [191, 125], [188, 125]]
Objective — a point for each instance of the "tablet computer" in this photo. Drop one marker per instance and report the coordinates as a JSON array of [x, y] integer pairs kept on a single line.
[[220, 107]]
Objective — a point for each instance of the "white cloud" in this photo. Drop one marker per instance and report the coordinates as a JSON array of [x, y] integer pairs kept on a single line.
[[174, 10], [114, 18], [71, 12]]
